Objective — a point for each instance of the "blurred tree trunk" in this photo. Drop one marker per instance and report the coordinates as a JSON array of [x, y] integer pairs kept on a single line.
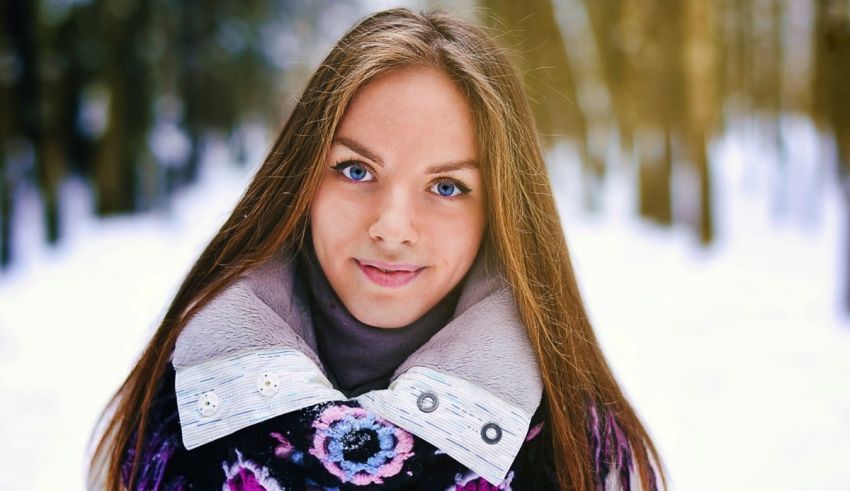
[[124, 143], [7, 109], [737, 59], [52, 167], [765, 70], [831, 98], [6, 183], [21, 24], [701, 107], [781, 186], [613, 37], [190, 81], [532, 32], [77, 74], [660, 101]]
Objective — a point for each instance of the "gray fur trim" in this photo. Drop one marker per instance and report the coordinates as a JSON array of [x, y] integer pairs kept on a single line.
[[257, 311]]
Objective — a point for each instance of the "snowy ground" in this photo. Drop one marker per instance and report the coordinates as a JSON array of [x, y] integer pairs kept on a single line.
[[736, 357]]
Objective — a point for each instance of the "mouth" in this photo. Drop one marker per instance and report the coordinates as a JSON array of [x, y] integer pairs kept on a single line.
[[389, 275]]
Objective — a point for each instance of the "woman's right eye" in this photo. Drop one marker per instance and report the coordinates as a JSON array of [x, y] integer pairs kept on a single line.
[[353, 170]]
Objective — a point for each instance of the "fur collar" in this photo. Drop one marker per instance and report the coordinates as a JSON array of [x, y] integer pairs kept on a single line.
[[484, 343]]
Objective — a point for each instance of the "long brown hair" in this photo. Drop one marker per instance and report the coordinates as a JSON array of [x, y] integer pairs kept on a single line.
[[524, 233]]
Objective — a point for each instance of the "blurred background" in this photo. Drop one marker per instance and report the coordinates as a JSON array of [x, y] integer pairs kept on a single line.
[[699, 152]]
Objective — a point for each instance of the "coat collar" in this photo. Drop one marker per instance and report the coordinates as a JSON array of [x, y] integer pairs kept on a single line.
[[484, 343], [260, 326]]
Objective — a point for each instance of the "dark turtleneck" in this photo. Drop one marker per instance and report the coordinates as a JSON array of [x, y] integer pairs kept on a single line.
[[360, 357]]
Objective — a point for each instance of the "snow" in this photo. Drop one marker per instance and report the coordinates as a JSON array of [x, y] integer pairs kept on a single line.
[[735, 356]]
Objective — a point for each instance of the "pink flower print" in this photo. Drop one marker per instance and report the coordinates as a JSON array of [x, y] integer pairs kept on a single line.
[[284, 448], [534, 431], [359, 447], [244, 475], [473, 482]]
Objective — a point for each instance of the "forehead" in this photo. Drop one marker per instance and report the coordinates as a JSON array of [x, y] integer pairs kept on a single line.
[[414, 114]]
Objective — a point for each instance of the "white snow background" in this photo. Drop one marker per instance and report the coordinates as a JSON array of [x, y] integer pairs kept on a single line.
[[737, 357]]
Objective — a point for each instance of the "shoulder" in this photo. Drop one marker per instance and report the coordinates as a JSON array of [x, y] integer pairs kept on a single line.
[[535, 464], [610, 453], [160, 441]]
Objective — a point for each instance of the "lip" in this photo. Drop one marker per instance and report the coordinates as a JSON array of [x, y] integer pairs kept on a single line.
[[389, 266], [401, 274]]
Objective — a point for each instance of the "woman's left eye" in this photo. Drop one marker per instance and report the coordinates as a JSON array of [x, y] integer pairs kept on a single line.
[[449, 189]]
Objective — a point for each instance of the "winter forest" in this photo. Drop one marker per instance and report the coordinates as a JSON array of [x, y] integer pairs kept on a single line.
[[700, 152]]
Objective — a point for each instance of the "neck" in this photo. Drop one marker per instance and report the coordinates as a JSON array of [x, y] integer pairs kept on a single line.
[[360, 357]]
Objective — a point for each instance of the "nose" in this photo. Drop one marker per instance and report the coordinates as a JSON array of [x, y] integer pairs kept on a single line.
[[394, 220]]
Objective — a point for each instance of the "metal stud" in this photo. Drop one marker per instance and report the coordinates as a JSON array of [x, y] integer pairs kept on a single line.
[[491, 433], [427, 402]]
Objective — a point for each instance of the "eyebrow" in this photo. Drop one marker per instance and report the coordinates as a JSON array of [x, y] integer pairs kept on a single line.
[[435, 169]]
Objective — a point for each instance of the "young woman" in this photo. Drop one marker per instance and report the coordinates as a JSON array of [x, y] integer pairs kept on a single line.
[[391, 303]]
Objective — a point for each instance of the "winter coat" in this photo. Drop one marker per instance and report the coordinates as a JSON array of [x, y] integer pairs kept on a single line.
[[246, 403]]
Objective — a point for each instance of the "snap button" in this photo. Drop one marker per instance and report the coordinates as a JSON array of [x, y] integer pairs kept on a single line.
[[491, 433], [427, 402], [208, 403], [268, 383]]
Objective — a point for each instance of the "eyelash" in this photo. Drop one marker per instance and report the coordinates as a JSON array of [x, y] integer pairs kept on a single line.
[[343, 164]]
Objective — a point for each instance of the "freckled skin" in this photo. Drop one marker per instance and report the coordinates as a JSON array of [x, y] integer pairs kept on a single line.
[[395, 211]]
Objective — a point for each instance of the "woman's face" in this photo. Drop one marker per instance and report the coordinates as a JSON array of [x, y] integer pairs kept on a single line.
[[400, 212]]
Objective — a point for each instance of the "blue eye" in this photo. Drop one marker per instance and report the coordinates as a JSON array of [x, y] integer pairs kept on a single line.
[[450, 188], [446, 188], [356, 173], [352, 170]]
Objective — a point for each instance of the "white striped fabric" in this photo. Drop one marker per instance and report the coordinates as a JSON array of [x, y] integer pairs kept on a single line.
[[233, 381], [457, 423]]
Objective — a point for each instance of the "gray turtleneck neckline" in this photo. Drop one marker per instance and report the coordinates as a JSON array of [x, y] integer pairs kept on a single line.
[[360, 357]]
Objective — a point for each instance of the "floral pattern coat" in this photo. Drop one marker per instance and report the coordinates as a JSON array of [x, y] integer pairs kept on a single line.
[[327, 446], [246, 404]]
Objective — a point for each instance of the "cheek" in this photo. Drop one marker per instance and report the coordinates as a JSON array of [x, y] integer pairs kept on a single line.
[[457, 236], [333, 216]]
